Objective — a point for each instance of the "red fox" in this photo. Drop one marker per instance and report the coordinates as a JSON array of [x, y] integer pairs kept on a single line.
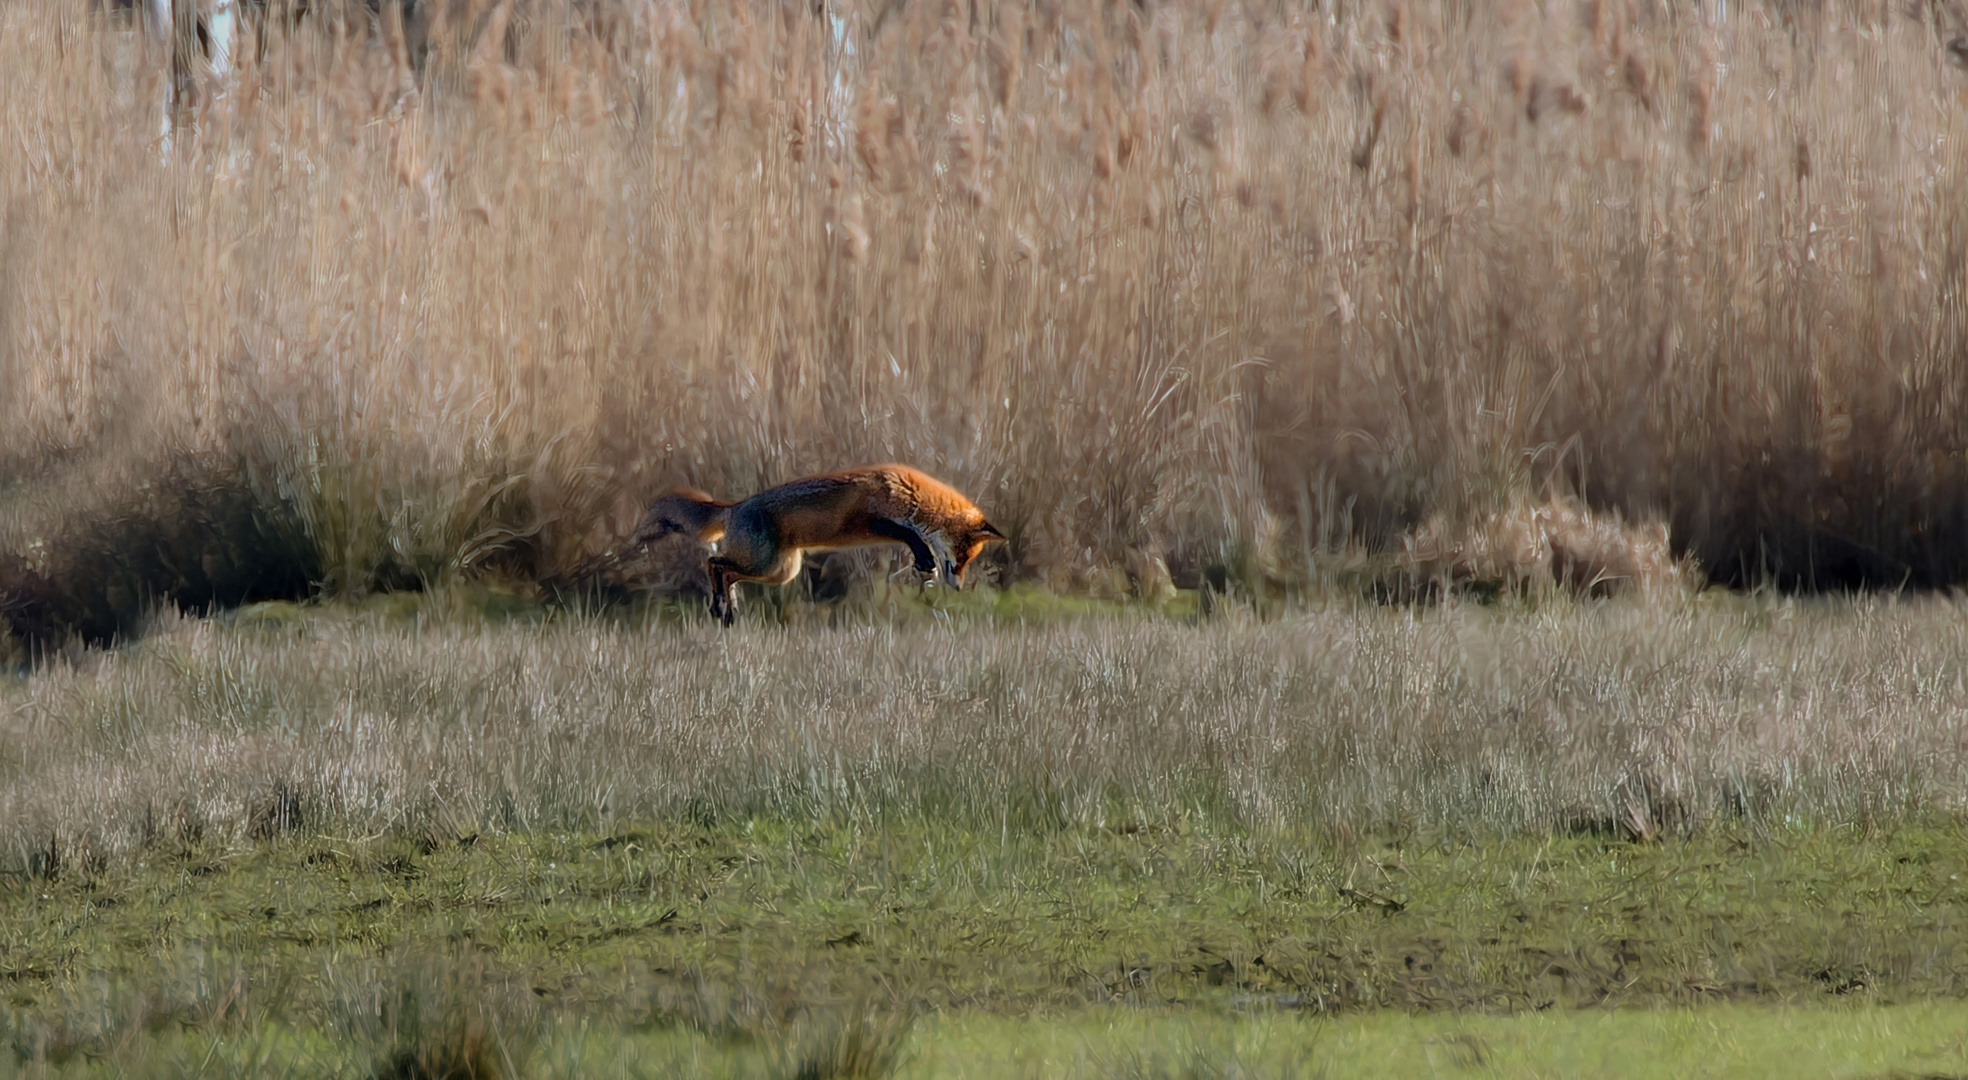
[[761, 538]]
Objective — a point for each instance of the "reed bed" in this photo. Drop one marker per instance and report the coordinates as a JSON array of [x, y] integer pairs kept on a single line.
[[1210, 284]]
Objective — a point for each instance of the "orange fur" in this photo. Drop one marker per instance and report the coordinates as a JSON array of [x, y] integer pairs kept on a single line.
[[763, 537]]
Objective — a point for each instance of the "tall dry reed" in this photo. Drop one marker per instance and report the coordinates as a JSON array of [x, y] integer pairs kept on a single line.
[[1224, 284]]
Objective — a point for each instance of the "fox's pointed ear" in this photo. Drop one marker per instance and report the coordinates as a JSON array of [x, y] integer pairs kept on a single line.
[[990, 532]]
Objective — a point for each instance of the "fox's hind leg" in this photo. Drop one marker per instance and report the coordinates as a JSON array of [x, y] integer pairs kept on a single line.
[[724, 591], [780, 567]]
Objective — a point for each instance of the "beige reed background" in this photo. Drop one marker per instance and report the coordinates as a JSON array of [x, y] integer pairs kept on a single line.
[[1227, 283]]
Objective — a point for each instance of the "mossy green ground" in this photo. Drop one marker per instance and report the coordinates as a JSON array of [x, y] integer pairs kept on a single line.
[[1863, 1042], [1112, 950]]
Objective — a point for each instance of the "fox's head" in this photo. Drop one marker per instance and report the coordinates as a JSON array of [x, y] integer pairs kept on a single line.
[[685, 510], [967, 546]]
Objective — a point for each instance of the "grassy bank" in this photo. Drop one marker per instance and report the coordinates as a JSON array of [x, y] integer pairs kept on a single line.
[[776, 915], [1113, 842], [912, 948]]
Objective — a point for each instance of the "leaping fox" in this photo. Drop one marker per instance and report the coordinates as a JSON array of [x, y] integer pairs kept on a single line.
[[762, 538]]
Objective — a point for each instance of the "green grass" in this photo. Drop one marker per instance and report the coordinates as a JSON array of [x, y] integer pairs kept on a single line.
[[1725, 1041], [746, 929], [464, 834], [1741, 1042]]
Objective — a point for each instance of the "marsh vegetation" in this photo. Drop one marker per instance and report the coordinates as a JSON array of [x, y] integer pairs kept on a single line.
[[755, 846], [1329, 366], [1226, 289]]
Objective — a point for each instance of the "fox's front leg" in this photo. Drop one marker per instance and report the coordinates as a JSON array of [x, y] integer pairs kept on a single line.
[[934, 560], [946, 561], [909, 535]]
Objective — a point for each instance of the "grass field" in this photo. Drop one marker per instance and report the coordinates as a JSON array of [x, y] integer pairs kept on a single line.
[[1369, 392], [1506, 840], [1734, 1042]]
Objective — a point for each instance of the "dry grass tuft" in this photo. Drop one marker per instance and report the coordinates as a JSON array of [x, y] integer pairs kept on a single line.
[[857, 1043], [96, 1019], [464, 1050], [437, 1020], [1559, 542]]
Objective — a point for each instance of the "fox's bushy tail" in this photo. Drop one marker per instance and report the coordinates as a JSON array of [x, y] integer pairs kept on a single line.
[[684, 510]]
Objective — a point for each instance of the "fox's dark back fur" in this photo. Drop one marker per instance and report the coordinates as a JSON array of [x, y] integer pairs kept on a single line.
[[811, 508]]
